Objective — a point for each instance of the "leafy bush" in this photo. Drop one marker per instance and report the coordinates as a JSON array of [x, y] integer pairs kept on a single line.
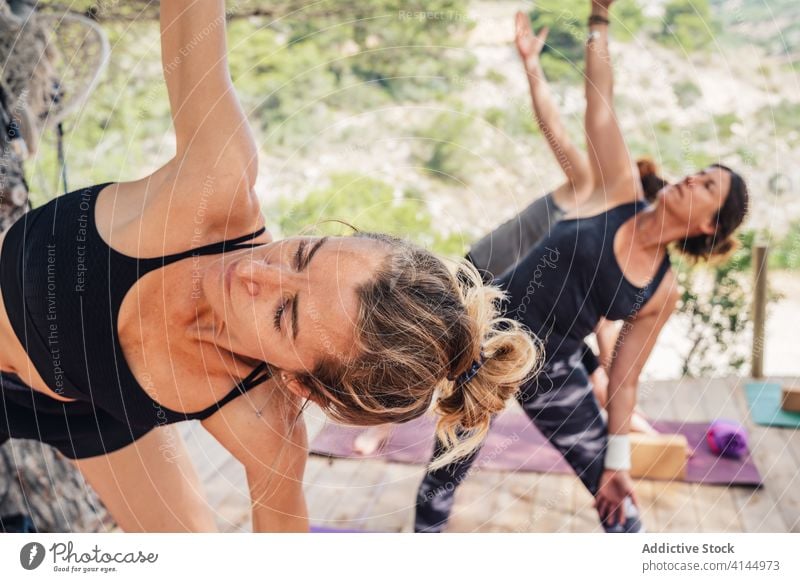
[[687, 92], [688, 24], [716, 300], [785, 254], [563, 56], [445, 147], [367, 204]]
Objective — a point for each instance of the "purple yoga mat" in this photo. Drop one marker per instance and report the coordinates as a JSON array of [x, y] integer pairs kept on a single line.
[[514, 444]]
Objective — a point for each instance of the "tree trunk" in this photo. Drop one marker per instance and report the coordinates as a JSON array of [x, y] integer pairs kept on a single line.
[[35, 479]]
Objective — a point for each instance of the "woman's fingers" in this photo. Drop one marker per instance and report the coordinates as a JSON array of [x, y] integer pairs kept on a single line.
[[542, 37]]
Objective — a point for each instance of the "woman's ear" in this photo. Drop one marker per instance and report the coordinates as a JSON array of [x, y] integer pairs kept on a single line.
[[708, 228], [297, 388]]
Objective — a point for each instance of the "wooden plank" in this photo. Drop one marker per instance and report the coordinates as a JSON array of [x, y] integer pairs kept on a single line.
[[395, 496], [655, 399], [354, 508], [329, 484], [475, 502], [674, 506], [772, 453], [585, 518], [683, 402], [514, 502], [648, 501], [552, 511], [757, 509], [715, 508]]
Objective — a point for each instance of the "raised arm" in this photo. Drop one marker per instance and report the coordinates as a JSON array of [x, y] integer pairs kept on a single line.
[[572, 161], [634, 345], [611, 164], [214, 140]]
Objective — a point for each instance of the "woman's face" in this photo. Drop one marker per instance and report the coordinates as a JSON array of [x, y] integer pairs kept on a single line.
[[694, 201], [292, 302]]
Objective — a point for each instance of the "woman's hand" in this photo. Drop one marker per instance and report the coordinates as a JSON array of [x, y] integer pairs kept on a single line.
[[529, 45], [615, 486], [602, 3]]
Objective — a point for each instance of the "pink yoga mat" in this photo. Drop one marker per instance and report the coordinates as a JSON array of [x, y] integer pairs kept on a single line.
[[515, 444]]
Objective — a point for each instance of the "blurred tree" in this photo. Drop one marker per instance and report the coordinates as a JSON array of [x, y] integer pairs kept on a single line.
[[562, 58], [688, 24], [367, 204]]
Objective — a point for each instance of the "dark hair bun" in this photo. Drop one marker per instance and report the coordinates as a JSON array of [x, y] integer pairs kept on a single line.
[[647, 167], [651, 181]]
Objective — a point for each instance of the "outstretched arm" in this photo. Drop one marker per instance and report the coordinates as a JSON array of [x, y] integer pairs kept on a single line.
[[634, 345], [273, 450], [612, 167], [212, 132], [572, 161]]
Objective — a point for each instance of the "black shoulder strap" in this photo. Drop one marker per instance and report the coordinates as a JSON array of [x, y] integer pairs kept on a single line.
[[217, 247], [258, 375]]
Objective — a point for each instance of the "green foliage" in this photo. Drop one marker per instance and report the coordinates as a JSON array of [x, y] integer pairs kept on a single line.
[[786, 253], [724, 124], [495, 77], [513, 120], [716, 300], [445, 147], [771, 24], [781, 119], [563, 56], [676, 149], [688, 24], [369, 205], [410, 50], [687, 92]]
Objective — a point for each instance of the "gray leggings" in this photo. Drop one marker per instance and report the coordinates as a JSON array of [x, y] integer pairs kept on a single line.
[[560, 402]]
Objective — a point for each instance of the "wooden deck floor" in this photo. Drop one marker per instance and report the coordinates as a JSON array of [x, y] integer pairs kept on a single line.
[[378, 496]]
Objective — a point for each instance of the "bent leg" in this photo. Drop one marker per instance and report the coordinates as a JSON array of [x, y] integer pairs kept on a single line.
[[561, 405], [150, 485]]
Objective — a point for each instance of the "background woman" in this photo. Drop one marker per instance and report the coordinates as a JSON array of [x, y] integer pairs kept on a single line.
[[502, 248], [609, 260]]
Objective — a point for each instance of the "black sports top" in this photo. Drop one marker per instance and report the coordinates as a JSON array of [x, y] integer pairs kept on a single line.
[[571, 279], [63, 287]]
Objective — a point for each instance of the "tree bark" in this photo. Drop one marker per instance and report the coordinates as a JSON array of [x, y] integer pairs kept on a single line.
[[35, 479]]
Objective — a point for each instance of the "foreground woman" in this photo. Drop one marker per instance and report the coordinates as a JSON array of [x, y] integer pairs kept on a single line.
[[608, 261], [130, 306]]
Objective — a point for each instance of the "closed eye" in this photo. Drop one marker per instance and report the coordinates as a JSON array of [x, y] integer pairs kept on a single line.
[[276, 320]]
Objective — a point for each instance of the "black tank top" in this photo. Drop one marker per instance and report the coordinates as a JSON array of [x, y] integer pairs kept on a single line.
[[63, 287], [571, 279]]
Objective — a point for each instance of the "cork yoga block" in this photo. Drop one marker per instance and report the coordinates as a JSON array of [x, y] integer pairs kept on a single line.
[[659, 456], [790, 401]]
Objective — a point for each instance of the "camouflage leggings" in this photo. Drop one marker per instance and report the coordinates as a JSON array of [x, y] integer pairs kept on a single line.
[[561, 404]]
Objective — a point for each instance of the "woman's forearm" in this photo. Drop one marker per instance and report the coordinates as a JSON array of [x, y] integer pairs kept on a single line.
[[599, 75], [620, 405], [573, 163]]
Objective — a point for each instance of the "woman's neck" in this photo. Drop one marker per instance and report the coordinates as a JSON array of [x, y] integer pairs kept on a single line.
[[202, 325], [654, 230]]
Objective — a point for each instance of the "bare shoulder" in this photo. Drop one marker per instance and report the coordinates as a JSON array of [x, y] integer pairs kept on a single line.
[[159, 214]]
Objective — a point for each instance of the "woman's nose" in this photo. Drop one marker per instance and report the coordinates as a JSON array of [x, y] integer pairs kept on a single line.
[[259, 273]]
